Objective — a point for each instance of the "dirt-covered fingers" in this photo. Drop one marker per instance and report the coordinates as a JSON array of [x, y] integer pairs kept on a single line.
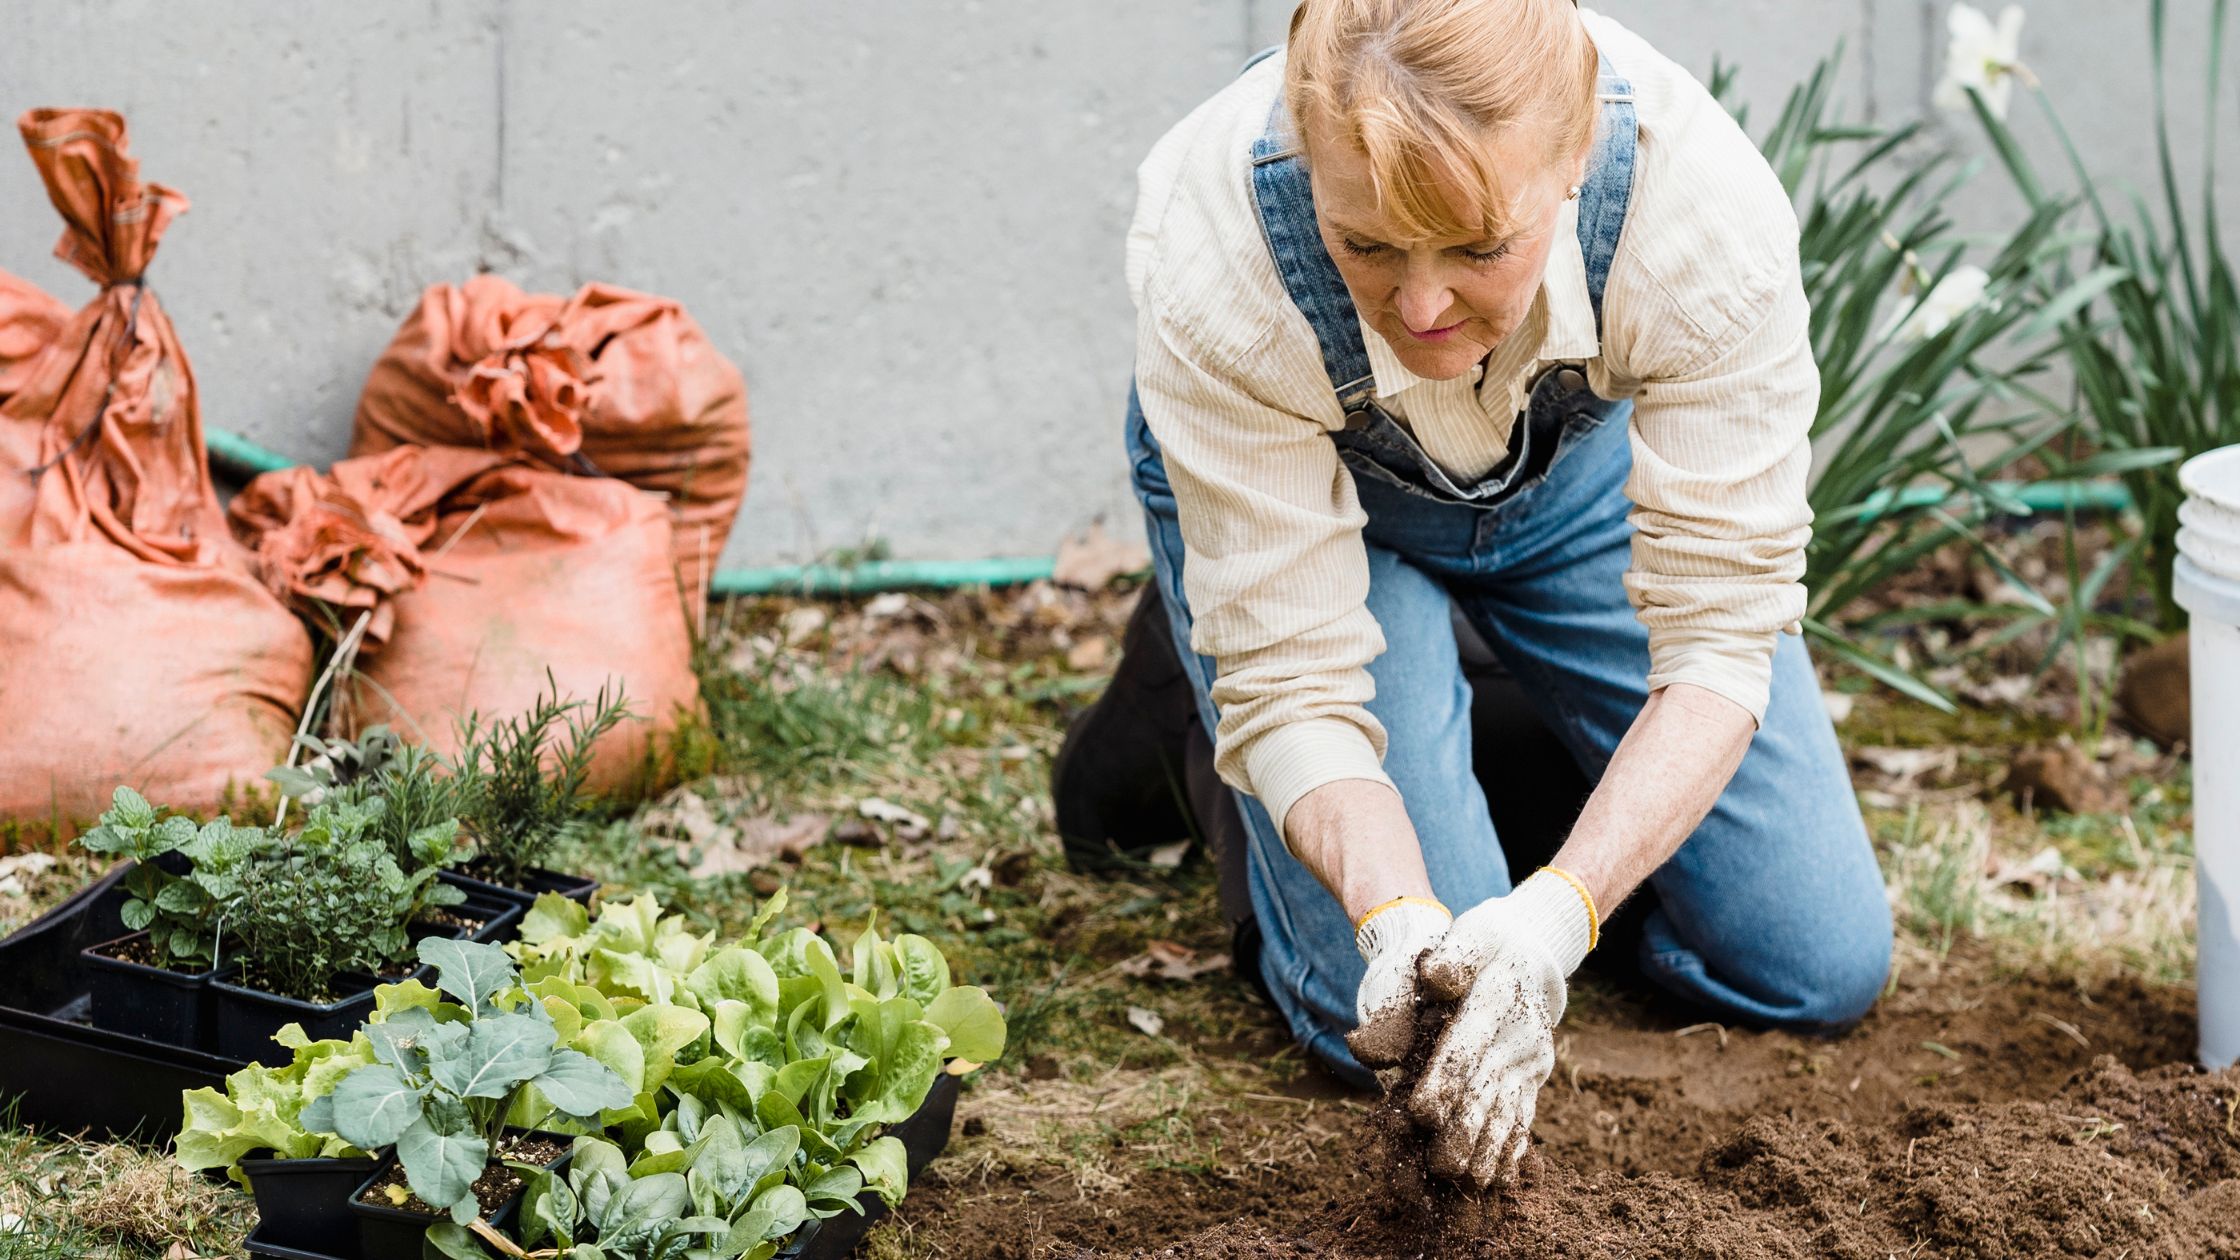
[[1487, 1039], [1385, 1013], [1452, 966], [1481, 1143]]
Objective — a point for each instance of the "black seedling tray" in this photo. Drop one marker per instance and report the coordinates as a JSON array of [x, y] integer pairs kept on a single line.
[[923, 1135], [538, 880], [62, 1073]]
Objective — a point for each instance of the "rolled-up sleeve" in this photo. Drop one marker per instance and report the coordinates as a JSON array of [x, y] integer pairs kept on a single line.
[[1721, 452], [1274, 570]]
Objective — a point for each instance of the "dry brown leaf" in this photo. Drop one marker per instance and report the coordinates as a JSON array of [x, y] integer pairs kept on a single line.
[[1168, 856], [1166, 960], [908, 824], [1088, 654], [1146, 1021], [1091, 559], [753, 842], [1906, 764]]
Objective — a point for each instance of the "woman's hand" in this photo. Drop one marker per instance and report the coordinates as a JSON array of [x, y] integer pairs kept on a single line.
[[1505, 963]]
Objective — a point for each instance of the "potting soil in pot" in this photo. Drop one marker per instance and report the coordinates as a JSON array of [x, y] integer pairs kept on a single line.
[[496, 1187]]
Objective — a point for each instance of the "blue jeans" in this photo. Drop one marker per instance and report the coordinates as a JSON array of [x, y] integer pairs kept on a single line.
[[1772, 913]]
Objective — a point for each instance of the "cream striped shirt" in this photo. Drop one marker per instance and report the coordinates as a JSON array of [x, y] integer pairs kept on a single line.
[[1705, 329]]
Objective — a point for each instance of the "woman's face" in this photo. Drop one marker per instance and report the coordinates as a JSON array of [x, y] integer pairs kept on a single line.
[[1444, 304]]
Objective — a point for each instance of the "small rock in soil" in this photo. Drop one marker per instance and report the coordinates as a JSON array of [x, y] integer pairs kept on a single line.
[[2155, 693], [2060, 778]]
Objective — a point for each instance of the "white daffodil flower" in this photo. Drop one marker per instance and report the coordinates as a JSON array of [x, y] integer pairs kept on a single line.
[[1960, 291], [1983, 55]]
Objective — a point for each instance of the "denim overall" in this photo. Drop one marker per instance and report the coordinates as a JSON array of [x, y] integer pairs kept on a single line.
[[1772, 912]]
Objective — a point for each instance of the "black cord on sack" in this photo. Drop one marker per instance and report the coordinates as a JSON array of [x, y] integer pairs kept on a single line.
[[109, 394]]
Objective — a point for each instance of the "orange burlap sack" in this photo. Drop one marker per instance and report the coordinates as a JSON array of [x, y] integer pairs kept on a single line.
[[29, 323], [338, 546], [488, 581], [136, 646], [608, 382]]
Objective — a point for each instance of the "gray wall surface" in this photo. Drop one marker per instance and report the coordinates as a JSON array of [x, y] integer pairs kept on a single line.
[[902, 218]]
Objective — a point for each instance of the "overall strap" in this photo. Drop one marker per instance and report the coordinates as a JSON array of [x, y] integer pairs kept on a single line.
[[1608, 190], [1284, 196]]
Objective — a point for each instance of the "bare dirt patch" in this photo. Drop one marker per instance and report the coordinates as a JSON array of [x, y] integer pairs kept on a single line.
[[1972, 1115]]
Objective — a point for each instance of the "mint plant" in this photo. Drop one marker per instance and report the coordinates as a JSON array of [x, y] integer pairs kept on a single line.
[[440, 1091], [182, 914]]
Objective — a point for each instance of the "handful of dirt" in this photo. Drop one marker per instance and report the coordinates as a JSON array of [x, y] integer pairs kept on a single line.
[[1401, 1148]]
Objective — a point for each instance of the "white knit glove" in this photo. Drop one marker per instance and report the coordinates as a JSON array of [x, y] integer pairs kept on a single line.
[[1391, 940], [1505, 961]]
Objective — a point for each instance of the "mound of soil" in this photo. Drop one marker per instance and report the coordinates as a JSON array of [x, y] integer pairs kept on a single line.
[[2115, 1164], [1970, 1117]]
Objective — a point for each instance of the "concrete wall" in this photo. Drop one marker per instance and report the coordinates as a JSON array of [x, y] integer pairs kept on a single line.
[[901, 217]]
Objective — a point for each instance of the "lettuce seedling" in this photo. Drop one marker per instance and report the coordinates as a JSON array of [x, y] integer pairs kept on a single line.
[[440, 1091], [262, 1108], [792, 1041]]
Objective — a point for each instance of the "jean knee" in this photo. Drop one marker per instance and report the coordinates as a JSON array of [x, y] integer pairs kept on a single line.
[[1836, 983]]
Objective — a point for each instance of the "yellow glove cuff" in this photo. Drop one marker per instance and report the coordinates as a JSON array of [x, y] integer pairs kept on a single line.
[[1381, 907], [1594, 917]]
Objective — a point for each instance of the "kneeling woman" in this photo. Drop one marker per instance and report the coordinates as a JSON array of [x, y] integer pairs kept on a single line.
[[1486, 301]]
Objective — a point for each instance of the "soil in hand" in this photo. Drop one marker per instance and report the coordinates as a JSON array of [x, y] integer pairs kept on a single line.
[[497, 1184]]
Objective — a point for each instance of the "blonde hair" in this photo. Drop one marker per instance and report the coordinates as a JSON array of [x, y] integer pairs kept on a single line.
[[1419, 86]]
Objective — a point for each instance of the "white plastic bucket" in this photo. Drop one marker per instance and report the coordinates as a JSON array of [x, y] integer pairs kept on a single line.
[[2208, 586]]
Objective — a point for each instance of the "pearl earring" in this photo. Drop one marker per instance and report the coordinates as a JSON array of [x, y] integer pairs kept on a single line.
[[1573, 195]]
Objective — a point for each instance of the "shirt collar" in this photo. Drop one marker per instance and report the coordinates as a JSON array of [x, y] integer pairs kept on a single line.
[[1560, 324]]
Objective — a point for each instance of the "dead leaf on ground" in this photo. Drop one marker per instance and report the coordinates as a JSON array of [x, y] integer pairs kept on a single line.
[[1092, 558], [890, 604], [2061, 778], [799, 623], [1168, 856], [1087, 655], [2003, 692], [908, 824], [753, 842], [1907, 764], [28, 865], [1166, 960], [1146, 1021]]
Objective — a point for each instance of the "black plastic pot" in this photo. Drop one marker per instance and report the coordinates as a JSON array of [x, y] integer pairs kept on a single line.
[[923, 1136], [393, 1233], [538, 880], [926, 1133], [142, 1001], [304, 1204], [498, 918], [263, 1248], [244, 1019]]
